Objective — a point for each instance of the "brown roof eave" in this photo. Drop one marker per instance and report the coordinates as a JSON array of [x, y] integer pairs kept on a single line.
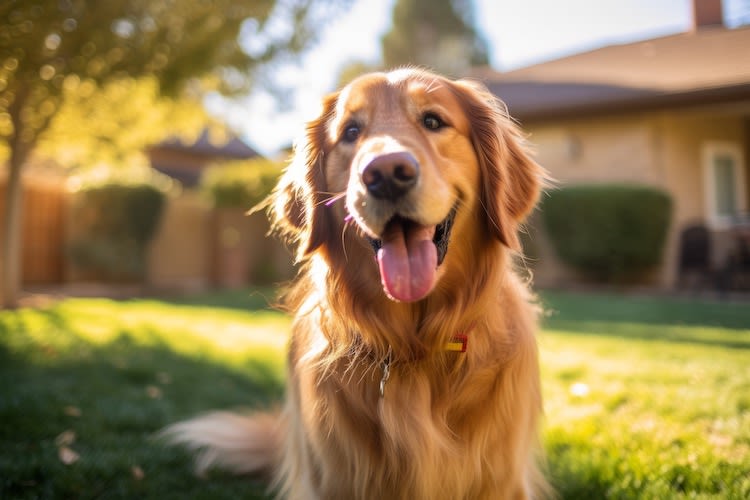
[[652, 102]]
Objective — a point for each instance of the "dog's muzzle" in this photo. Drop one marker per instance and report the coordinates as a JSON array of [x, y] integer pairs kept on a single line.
[[390, 176], [408, 253]]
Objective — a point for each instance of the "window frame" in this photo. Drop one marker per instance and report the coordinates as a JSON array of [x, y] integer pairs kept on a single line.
[[712, 150]]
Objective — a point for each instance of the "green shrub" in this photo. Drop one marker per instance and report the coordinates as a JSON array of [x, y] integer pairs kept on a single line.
[[113, 223], [608, 232], [240, 184]]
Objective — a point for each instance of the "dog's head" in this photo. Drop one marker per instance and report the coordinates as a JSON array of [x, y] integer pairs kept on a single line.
[[395, 161]]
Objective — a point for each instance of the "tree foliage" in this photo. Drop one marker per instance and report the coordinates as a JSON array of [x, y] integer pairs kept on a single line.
[[112, 124], [51, 50], [439, 34]]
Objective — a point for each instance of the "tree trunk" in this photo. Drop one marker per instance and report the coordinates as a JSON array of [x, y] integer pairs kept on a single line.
[[10, 253], [11, 250], [10, 268]]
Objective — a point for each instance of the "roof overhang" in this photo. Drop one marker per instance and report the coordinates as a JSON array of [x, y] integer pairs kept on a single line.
[[553, 101]]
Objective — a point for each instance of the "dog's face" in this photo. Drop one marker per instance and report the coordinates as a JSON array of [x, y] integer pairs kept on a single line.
[[402, 153], [401, 158]]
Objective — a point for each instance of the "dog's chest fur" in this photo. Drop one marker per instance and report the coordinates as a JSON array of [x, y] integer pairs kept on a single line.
[[433, 433]]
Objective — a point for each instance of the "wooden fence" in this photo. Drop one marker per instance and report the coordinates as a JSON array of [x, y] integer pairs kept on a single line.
[[43, 229], [191, 250]]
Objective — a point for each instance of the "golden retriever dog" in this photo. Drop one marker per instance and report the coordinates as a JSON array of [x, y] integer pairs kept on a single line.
[[412, 367]]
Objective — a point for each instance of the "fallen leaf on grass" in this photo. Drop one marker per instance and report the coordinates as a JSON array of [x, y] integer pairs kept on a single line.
[[67, 456], [153, 392], [137, 472], [72, 411], [65, 438]]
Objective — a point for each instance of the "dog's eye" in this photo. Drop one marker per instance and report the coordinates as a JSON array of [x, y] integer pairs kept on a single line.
[[351, 132], [431, 121]]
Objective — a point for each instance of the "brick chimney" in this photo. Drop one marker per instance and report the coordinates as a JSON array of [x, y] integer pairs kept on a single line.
[[707, 13]]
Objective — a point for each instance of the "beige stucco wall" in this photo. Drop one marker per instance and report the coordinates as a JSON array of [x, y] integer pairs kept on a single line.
[[599, 150], [684, 135], [661, 149]]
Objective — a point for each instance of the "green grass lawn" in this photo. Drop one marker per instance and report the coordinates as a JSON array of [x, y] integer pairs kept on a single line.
[[645, 397]]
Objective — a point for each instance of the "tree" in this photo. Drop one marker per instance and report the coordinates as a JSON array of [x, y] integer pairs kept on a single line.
[[113, 123], [50, 48], [439, 34], [352, 69]]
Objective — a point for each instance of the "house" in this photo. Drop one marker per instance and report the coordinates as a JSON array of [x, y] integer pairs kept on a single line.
[[185, 161], [671, 112]]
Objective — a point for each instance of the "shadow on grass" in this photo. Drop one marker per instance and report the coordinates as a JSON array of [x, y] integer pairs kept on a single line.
[[649, 318], [114, 397], [249, 299]]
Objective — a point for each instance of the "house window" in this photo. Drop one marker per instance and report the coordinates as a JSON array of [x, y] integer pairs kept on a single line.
[[724, 170]]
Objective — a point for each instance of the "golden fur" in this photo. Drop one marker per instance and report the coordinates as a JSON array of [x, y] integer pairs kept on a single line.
[[450, 425]]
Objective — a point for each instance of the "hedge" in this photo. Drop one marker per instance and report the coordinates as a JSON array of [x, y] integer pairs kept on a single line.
[[610, 233], [114, 221], [240, 184]]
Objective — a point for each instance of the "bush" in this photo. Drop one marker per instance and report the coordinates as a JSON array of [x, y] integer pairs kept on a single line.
[[240, 184], [608, 232], [114, 220]]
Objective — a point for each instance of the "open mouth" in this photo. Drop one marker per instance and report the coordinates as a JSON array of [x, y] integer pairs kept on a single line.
[[409, 254]]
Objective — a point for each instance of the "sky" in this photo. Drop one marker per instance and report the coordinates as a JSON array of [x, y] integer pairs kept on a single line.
[[519, 33]]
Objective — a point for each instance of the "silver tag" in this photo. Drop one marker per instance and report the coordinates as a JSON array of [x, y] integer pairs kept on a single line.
[[386, 373]]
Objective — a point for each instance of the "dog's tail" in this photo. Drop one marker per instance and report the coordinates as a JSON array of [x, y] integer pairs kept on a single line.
[[245, 444]]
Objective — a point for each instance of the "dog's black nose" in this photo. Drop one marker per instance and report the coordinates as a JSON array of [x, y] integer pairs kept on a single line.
[[390, 176]]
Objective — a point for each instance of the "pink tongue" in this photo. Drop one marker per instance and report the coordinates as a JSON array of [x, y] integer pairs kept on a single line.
[[408, 262]]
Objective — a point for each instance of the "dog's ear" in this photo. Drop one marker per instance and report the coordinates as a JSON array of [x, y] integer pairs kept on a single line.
[[297, 204], [511, 179]]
